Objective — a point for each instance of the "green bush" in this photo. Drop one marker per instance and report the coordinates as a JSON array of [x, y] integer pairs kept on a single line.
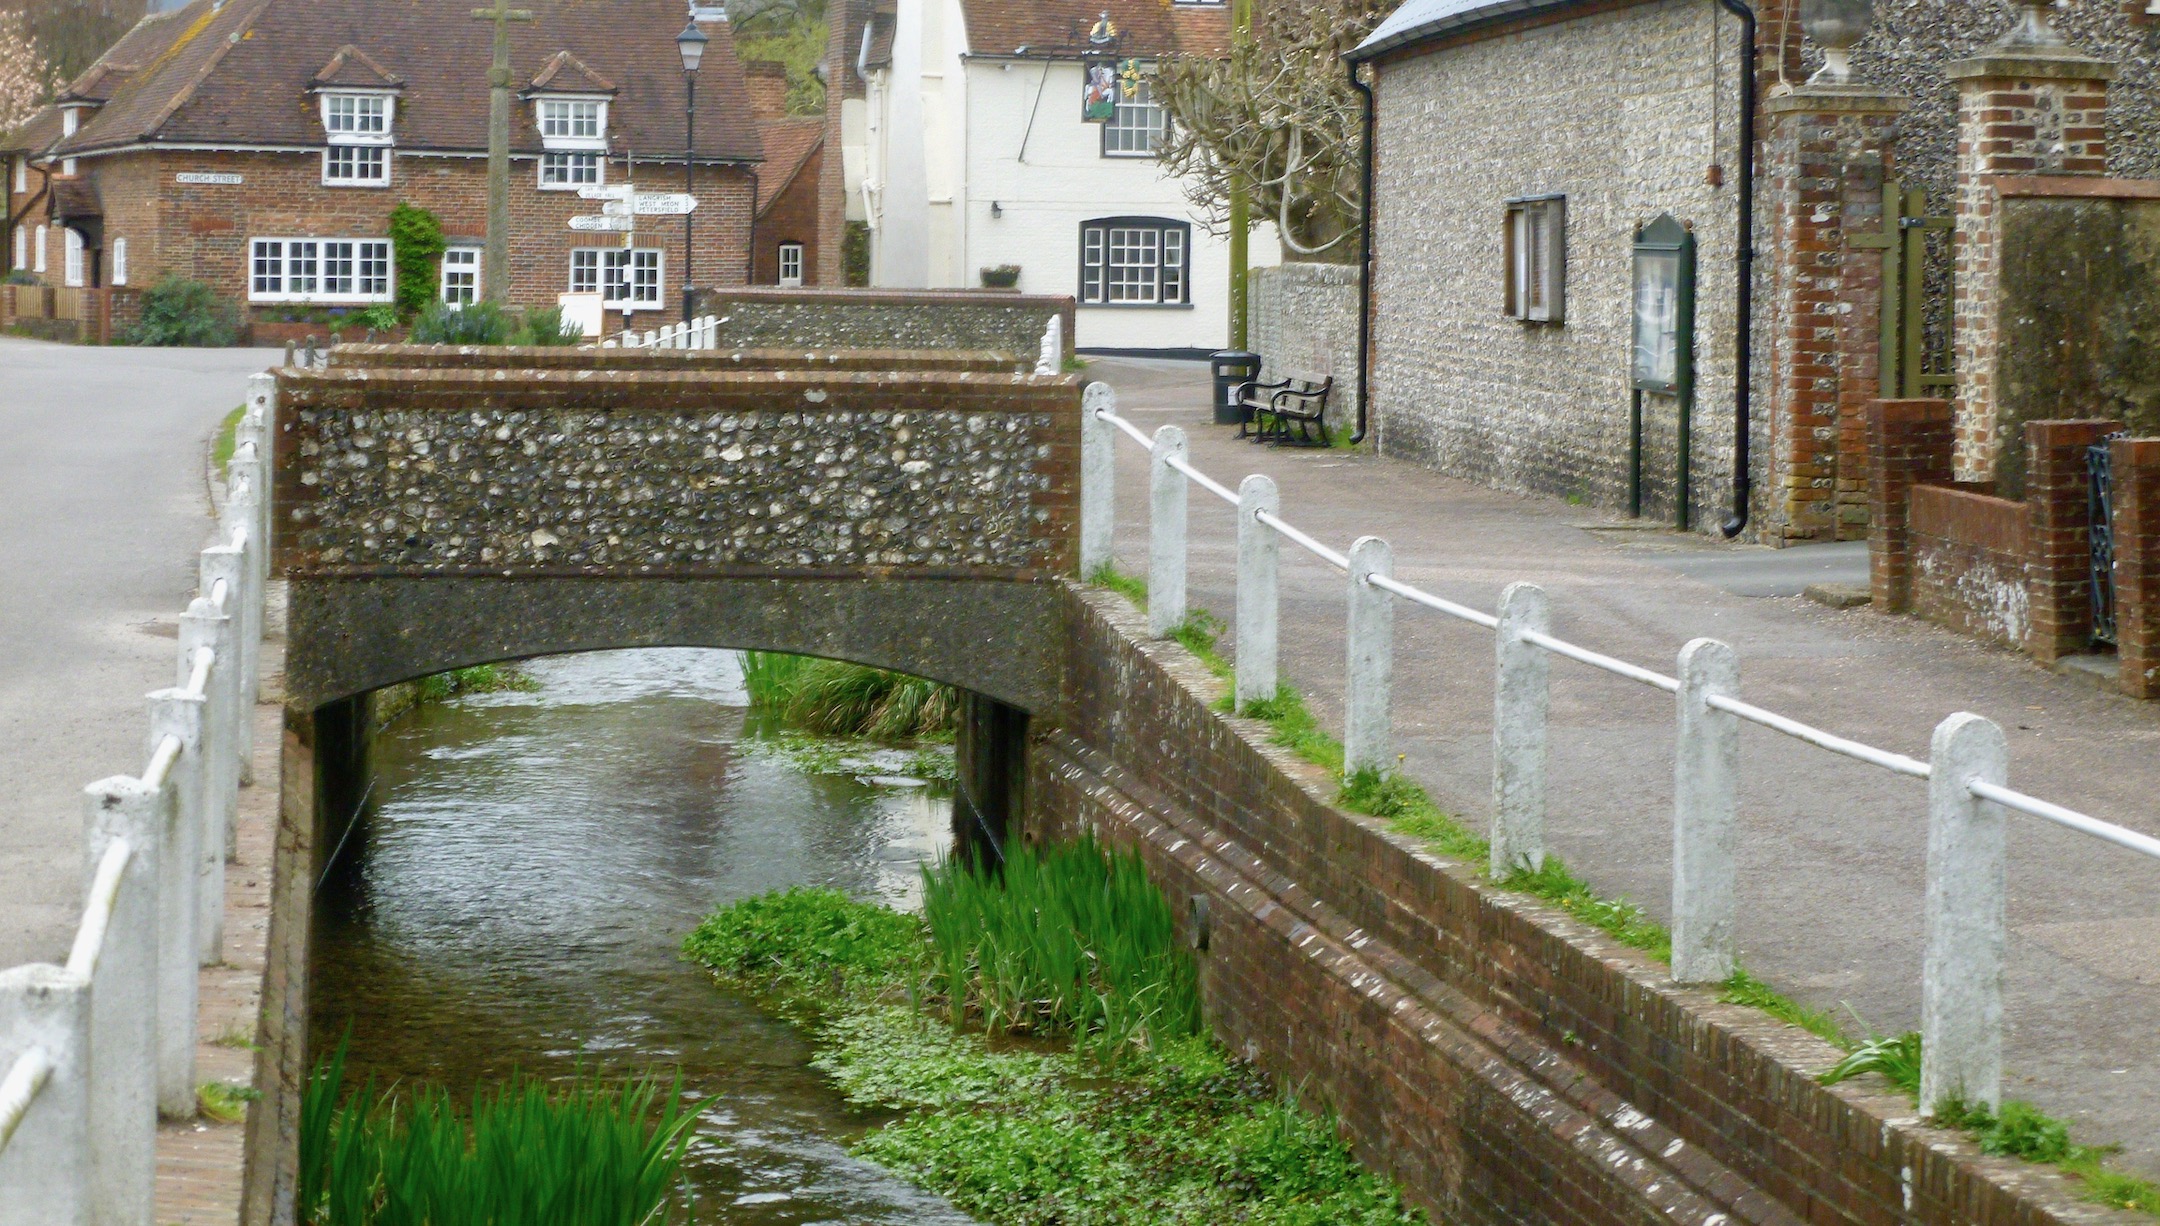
[[479, 323], [416, 244], [546, 328], [21, 277], [177, 311], [381, 317]]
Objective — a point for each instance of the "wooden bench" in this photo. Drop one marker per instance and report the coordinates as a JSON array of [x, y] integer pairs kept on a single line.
[[1271, 409]]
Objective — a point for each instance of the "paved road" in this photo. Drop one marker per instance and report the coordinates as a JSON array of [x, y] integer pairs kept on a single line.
[[1833, 853], [104, 504]]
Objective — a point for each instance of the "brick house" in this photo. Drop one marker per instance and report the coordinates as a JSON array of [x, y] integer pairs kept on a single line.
[[1522, 145], [260, 145], [788, 233]]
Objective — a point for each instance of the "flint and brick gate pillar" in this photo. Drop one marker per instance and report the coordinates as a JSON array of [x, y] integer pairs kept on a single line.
[[1826, 160], [2031, 105]]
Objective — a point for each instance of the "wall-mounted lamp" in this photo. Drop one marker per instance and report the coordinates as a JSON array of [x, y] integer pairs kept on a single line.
[[996, 209]]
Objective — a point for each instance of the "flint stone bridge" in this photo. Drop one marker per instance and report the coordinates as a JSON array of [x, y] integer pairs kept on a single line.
[[920, 512]]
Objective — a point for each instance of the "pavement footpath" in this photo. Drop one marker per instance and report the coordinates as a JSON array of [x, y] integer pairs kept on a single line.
[[1832, 854]]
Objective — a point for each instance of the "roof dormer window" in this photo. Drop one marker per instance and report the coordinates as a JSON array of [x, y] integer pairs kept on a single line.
[[357, 128], [572, 123]]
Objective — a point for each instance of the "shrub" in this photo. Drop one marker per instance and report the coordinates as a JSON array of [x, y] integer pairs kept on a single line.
[[480, 323], [177, 311], [416, 244], [21, 277], [381, 317], [547, 328]]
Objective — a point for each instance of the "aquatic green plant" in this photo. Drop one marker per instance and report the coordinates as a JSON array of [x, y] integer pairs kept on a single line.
[[836, 698], [1073, 939], [528, 1152], [806, 938]]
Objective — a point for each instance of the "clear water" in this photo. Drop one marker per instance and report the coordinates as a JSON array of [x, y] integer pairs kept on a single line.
[[517, 897]]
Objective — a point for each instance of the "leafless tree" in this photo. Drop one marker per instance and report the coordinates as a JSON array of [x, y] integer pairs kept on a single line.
[[1279, 118]]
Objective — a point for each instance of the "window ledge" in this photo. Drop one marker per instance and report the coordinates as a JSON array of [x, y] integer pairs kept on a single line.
[[1136, 306]]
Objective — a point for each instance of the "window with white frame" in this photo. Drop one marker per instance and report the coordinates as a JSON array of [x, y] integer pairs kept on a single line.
[[626, 278], [791, 261], [568, 171], [1535, 242], [71, 247], [1134, 261], [22, 249], [461, 275], [1138, 126], [357, 127], [37, 253], [319, 270], [572, 123], [22, 175], [119, 261]]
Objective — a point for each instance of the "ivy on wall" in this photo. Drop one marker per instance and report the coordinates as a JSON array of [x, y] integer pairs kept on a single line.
[[416, 243]]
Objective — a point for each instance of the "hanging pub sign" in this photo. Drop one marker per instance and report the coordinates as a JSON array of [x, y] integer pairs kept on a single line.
[[1664, 350], [1105, 83]]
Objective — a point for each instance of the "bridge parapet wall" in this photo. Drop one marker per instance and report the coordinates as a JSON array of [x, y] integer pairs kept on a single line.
[[1506, 1062], [870, 318], [509, 357], [665, 473]]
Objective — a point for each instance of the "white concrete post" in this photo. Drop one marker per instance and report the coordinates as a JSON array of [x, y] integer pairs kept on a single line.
[[244, 608], [202, 626], [123, 1006], [1051, 360], [1166, 533], [1520, 708], [1961, 973], [1706, 774], [45, 1167], [1098, 478], [176, 714], [1368, 733], [1259, 553]]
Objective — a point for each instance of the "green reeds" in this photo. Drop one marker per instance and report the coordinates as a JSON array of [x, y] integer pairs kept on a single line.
[[529, 1153], [1072, 939], [836, 698]]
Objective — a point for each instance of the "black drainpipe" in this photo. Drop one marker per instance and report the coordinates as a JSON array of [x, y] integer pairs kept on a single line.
[[1744, 325], [1364, 276]]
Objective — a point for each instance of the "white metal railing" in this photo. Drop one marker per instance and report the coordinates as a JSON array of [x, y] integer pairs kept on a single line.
[[91, 1052], [1961, 992]]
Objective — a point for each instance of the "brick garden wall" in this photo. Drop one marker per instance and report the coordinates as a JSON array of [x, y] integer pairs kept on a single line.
[[1506, 1063], [1968, 563], [886, 319]]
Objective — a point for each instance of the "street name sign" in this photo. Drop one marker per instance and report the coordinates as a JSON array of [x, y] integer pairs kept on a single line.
[[650, 204], [601, 224]]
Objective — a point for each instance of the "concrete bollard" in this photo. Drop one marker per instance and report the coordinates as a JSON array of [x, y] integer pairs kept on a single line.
[[179, 715], [1259, 604], [1368, 734], [1706, 775], [1050, 359], [1521, 702], [1098, 479], [1961, 972], [123, 1006], [1166, 533], [202, 627], [45, 1170]]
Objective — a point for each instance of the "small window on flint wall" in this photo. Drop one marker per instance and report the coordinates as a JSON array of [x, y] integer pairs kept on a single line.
[[1536, 249]]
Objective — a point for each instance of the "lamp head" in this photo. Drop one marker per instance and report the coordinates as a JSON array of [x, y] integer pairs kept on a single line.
[[691, 42]]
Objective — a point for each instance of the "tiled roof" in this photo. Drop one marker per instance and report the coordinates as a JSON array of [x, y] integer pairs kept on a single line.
[[33, 135], [352, 68], [567, 74], [789, 142], [1421, 20], [237, 72], [1145, 27], [76, 198]]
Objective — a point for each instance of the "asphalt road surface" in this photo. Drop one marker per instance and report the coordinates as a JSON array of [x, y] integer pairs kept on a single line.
[[104, 501]]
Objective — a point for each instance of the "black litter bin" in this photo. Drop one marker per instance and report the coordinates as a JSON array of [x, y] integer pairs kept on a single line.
[[1234, 368]]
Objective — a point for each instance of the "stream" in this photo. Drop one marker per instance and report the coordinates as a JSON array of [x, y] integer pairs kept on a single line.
[[531, 861]]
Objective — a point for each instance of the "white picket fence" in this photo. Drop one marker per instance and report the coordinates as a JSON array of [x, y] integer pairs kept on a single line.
[[95, 1050], [1967, 771], [700, 333]]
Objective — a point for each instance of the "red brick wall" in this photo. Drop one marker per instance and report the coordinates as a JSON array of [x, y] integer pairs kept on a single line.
[[1505, 1062], [1968, 563], [2137, 565], [2058, 491], [793, 218], [1909, 443], [202, 231]]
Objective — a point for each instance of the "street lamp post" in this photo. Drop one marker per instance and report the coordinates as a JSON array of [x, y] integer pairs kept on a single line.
[[691, 42]]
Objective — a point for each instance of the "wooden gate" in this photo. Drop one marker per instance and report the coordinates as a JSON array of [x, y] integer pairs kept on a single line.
[[1913, 363]]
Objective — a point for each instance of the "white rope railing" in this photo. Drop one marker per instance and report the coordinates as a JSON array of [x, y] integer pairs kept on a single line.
[[103, 1044], [1962, 1018]]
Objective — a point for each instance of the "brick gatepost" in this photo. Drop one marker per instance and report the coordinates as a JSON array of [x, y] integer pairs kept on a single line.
[[2137, 565], [1909, 444], [2058, 574], [1825, 161], [2030, 105]]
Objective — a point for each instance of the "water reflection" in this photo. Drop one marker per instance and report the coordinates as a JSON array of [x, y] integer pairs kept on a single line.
[[525, 879]]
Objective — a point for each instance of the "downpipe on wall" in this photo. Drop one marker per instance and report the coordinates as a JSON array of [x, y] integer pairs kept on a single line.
[[1744, 263], [1365, 250]]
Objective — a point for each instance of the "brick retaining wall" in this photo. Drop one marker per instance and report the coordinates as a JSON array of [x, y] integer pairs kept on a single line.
[[1506, 1063], [1968, 563]]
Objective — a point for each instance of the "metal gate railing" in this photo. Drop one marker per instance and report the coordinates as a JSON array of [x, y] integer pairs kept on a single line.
[[2100, 507], [1913, 363]]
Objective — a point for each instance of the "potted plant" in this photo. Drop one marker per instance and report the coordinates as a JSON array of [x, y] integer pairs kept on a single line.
[[1001, 276]]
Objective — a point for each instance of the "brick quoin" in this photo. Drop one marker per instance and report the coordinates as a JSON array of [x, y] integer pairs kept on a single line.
[[2137, 565], [1909, 443]]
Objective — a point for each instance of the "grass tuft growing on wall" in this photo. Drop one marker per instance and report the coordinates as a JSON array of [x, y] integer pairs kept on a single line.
[[836, 698]]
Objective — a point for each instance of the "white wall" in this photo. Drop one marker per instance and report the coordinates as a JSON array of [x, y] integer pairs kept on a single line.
[[1060, 179]]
